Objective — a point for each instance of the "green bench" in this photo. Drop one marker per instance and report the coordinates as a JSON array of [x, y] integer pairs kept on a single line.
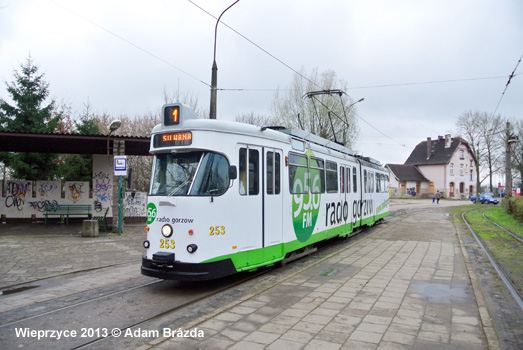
[[101, 219], [67, 210]]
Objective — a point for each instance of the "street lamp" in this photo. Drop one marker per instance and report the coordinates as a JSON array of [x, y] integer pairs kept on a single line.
[[115, 124], [214, 70]]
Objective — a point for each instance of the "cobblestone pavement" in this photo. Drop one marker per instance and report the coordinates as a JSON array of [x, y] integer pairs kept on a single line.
[[30, 252], [405, 287], [409, 285]]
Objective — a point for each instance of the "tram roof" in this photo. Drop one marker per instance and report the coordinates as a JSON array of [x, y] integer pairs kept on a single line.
[[70, 143], [270, 132]]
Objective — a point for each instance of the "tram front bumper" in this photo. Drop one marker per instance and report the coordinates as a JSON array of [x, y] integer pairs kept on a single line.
[[176, 270]]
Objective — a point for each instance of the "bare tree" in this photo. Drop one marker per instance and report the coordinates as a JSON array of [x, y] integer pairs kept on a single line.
[[482, 131], [258, 120], [143, 125], [185, 97], [330, 117]]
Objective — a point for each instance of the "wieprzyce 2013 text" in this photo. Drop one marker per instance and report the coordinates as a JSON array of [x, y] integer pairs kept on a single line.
[[105, 332]]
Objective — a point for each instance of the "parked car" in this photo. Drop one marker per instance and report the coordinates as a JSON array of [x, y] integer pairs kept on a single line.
[[485, 198]]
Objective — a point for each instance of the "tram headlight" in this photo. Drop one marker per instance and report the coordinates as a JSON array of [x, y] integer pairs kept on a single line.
[[191, 248], [167, 230], [146, 244]]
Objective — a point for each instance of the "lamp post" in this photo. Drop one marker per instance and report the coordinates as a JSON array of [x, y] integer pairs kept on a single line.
[[214, 70], [115, 124]]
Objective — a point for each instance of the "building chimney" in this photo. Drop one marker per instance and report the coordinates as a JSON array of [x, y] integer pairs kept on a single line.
[[428, 148], [448, 141]]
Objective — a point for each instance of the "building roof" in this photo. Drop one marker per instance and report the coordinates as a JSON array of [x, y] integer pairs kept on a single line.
[[70, 143], [406, 172], [439, 153]]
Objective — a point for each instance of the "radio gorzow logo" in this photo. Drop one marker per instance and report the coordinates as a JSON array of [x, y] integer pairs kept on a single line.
[[306, 189]]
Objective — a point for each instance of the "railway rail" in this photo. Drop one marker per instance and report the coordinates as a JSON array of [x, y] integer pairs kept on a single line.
[[499, 270], [174, 296]]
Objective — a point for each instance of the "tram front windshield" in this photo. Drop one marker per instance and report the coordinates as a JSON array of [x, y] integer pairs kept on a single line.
[[190, 174]]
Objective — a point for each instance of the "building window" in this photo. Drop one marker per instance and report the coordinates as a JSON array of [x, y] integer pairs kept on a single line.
[[461, 154], [471, 175], [451, 169], [471, 163], [461, 170]]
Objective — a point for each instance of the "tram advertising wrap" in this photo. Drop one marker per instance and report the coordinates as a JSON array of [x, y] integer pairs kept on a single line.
[[227, 197]]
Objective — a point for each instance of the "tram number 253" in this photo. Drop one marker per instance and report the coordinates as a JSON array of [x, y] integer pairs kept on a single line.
[[167, 243], [216, 230]]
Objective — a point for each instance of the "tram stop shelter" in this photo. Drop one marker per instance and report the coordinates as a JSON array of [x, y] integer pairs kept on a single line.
[[20, 201]]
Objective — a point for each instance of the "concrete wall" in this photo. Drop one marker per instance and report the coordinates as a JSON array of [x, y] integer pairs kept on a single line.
[[22, 199]]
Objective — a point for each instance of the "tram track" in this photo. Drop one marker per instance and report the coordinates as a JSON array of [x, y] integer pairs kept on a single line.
[[324, 248], [95, 309], [518, 297], [134, 307], [516, 237]]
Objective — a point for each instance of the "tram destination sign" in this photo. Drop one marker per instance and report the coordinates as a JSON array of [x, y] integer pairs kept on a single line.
[[178, 138]]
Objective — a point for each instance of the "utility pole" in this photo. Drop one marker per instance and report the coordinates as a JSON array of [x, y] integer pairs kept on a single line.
[[510, 139], [214, 70]]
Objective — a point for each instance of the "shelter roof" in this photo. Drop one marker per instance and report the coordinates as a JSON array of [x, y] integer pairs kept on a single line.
[[70, 143]]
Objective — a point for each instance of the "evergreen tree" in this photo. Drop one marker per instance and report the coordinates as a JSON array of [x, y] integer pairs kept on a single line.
[[29, 91], [78, 167]]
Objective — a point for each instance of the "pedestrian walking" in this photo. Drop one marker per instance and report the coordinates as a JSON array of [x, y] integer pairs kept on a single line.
[[437, 197]]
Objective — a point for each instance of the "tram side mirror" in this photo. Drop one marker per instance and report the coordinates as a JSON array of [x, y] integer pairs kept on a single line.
[[233, 173]]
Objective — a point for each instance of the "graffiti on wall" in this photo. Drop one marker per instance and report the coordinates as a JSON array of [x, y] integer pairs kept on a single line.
[[46, 188], [102, 188], [48, 192], [134, 204], [75, 190], [16, 192]]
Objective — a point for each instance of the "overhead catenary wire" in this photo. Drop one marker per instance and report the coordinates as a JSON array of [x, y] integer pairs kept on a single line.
[[386, 85], [258, 46], [129, 42], [512, 75]]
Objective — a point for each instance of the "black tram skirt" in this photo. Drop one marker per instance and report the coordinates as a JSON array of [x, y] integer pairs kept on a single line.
[[188, 271]]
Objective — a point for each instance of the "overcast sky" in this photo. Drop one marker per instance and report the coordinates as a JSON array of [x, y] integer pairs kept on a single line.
[[418, 64]]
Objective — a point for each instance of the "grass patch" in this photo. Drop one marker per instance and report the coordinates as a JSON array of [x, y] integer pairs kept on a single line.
[[506, 220], [508, 256]]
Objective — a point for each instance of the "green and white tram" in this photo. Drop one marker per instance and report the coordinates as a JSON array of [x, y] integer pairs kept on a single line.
[[228, 197]]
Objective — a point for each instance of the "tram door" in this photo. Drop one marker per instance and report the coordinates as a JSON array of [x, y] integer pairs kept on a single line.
[[272, 197], [249, 219]]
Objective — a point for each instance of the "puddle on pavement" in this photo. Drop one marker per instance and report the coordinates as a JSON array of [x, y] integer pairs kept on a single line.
[[438, 292], [16, 290], [329, 272]]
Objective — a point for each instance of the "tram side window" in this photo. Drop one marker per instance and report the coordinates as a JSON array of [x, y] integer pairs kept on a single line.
[[378, 183], [342, 179], [348, 180], [317, 177], [249, 170], [354, 179], [370, 182], [365, 181], [273, 173], [298, 174], [332, 176]]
